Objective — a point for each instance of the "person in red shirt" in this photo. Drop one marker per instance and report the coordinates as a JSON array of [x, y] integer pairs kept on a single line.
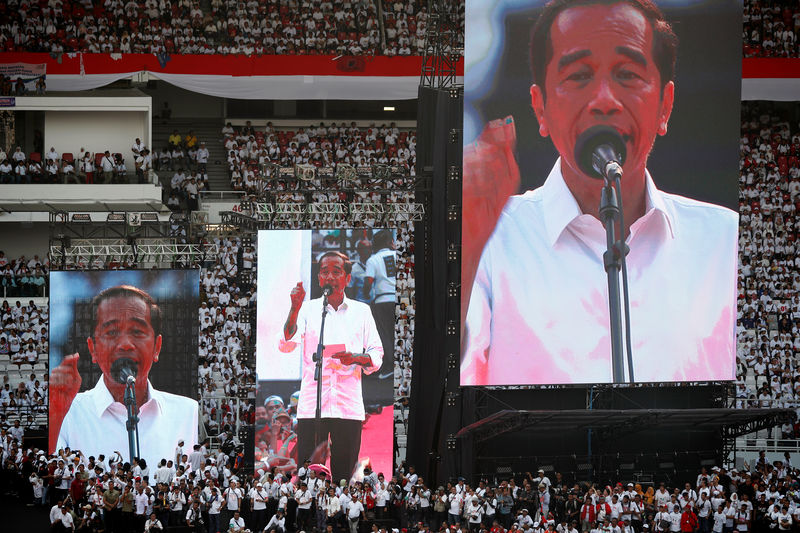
[[602, 510], [688, 520], [497, 528]]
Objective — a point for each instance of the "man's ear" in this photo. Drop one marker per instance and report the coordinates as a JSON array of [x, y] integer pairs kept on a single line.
[[157, 349], [537, 103], [90, 344], [667, 99]]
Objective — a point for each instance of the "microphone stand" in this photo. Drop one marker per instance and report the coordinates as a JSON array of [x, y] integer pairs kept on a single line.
[[318, 372], [132, 425], [612, 262]]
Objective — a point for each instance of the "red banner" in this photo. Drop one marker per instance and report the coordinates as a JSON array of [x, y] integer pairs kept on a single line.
[[768, 67]]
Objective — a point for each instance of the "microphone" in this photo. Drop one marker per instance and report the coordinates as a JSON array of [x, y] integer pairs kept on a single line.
[[327, 290], [600, 152], [125, 370]]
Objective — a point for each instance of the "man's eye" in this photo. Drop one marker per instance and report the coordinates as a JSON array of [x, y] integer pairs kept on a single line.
[[628, 75], [582, 75]]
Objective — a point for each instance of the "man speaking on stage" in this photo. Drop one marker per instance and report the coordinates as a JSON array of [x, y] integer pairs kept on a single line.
[[126, 341], [352, 347], [535, 297]]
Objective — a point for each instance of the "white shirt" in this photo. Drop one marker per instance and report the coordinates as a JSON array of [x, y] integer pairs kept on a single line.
[[351, 325], [381, 267], [95, 423], [276, 522], [354, 509], [538, 313], [107, 163]]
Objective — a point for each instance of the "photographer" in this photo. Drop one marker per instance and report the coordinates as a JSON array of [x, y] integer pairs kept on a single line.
[[177, 499], [489, 508], [258, 506], [153, 524], [473, 511], [212, 498], [276, 523], [439, 508], [194, 518], [236, 524]]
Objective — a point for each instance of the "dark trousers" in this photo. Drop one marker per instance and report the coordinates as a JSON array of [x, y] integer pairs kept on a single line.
[[126, 522], [213, 523], [259, 519], [303, 519], [345, 443], [383, 313]]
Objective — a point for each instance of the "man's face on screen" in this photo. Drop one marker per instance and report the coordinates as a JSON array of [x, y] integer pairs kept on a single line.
[[123, 329], [602, 72], [331, 272]]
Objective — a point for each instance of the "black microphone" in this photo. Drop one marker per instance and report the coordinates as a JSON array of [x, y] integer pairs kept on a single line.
[[125, 370], [327, 290], [600, 152]]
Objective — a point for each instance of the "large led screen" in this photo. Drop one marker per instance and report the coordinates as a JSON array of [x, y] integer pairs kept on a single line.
[[109, 328], [354, 429], [546, 87]]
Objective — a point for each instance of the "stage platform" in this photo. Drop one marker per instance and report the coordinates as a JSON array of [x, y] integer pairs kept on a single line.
[[733, 422]]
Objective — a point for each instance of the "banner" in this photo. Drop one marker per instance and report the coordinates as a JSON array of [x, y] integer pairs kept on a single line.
[[29, 73]]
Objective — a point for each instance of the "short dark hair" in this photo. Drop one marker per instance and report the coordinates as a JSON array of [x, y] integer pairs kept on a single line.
[[665, 42], [382, 239], [128, 291], [348, 265]]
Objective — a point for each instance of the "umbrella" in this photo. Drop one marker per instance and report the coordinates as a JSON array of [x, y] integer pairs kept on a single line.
[[321, 469]]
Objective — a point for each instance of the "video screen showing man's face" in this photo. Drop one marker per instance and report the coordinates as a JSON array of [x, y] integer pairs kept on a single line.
[[602, 70], [121, 338], [351, 275], [599, 194], [123, 331]]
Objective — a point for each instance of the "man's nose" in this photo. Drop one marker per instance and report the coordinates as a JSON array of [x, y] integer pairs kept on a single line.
[[125, 342], [604, 101]]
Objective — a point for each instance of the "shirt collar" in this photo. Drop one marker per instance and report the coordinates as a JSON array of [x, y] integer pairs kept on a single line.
[[560, 207], [102, 398], [344, 305]]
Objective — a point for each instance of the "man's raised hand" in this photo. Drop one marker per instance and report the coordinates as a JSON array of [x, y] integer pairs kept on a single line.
[[491, 176], [297, 296], [65, 382]]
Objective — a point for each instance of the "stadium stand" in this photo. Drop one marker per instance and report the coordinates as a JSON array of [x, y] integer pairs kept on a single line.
[[770, 28], [216, 27], [769, 278]]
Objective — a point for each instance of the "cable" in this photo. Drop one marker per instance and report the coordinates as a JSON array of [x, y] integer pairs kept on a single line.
[[625, 298]]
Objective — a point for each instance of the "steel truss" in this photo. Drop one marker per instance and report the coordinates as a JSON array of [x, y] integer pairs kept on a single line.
[[259, 215], [138, 252], [346, 178], [443, 47]]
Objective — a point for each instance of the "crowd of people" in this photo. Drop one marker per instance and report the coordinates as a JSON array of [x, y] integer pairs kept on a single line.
[[87, 167], [270, 27], [226, 368], [771, 28], [184, 154], [24, 276], [205, 491], [228, 27], [255, 153], [187, 157], [23, 358], [769, 276]]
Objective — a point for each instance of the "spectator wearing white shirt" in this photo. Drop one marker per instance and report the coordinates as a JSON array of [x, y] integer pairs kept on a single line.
[[202, 158], [107, 164]]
